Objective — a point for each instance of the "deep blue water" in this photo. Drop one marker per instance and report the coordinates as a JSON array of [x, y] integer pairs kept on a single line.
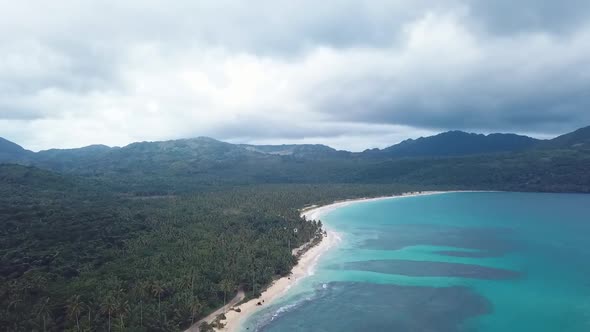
[[486, 262]]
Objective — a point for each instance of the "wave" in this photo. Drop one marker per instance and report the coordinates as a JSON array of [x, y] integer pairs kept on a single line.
[[267, 319]]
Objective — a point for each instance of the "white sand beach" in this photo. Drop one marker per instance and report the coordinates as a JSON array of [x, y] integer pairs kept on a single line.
[[280, 286]]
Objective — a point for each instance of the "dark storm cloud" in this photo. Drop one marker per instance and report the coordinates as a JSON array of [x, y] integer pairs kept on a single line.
[[529, 84], [546, 106]]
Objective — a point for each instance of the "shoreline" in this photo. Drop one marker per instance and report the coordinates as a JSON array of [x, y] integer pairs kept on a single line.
[[307, 261], [281, 286]]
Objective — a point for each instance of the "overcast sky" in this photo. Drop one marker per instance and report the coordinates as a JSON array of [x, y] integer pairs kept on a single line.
[[350, 74]]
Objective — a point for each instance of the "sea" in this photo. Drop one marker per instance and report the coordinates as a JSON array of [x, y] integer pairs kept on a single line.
[[466, 261]]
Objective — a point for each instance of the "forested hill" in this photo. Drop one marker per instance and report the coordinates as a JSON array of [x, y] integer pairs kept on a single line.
[[579, 139], [202, 164], [317, 151], [456, 143], [10, 151]]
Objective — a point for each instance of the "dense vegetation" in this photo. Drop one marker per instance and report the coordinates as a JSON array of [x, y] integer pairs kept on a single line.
[[79, 256], [539, 170], [153, 236]]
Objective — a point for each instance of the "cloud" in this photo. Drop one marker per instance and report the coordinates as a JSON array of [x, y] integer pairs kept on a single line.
[[349, 73], [507, 17], [445, 77]]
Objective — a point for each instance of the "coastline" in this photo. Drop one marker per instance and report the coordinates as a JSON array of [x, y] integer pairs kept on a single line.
[[281, 286], [307, 261]]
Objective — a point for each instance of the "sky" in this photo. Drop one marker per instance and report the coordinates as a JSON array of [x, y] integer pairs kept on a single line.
[[349, 74]]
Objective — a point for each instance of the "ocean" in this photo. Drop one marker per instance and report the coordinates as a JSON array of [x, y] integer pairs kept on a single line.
[[482, 261]]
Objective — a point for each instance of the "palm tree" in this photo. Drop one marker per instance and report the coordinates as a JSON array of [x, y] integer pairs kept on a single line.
[[74, 309], [14, 304], [226, 286], [157, 290], [142, 290], [195, 308], [109, 306], [44, 311], [184, 282], [192, 281], [122, 311], [252, 267]]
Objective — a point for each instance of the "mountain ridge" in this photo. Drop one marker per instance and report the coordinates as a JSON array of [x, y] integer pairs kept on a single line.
[[579, 138], [446, 144], [456, 143], [10, 149]]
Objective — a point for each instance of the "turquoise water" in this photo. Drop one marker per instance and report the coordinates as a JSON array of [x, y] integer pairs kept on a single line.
[[484, 262]]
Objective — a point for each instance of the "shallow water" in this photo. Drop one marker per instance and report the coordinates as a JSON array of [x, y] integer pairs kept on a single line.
[[485, 262]]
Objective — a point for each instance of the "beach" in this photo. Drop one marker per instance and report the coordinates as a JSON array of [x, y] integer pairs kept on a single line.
[[280, 286], [305, 266]]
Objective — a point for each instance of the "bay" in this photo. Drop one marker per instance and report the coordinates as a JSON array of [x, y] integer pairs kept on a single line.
[[482, 261]]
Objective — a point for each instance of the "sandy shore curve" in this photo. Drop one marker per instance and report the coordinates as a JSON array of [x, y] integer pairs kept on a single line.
[[280, 287]]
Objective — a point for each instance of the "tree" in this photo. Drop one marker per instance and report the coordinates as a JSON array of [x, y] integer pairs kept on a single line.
[[122, 311], [109, 306], [226, 286], [195, 307], [141, 290], [158, 290], [14, 303], [44, 311], [74, 309]]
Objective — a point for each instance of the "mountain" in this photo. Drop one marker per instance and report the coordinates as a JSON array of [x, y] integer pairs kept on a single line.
[[202, 163], [298, 150], [174, 153], [455, 143], [202, 153], [79, 152], [579, 139], [62, 159], [11, 151]]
